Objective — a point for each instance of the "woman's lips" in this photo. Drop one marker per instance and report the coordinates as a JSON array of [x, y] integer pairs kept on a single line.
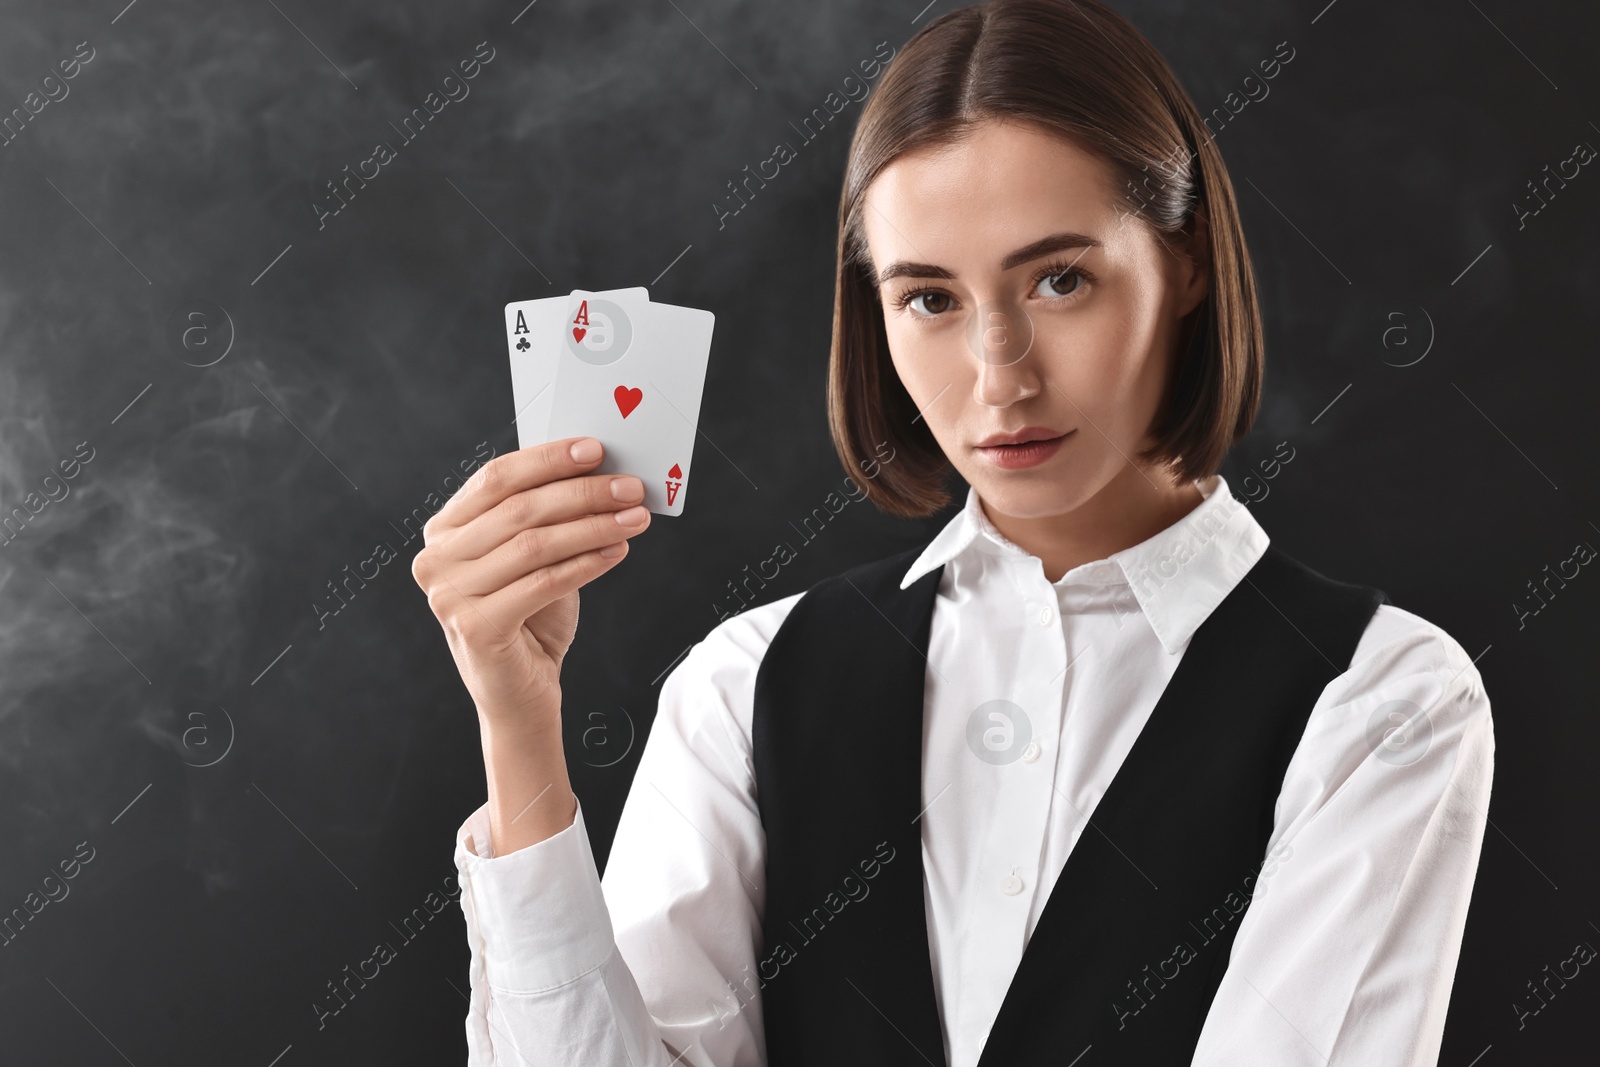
[[1016, 457]]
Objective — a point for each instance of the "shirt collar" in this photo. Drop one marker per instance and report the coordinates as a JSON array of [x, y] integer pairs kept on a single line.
[[1178, 576]]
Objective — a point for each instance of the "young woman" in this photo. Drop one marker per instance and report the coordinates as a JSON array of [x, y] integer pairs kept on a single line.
[[1097, 775]]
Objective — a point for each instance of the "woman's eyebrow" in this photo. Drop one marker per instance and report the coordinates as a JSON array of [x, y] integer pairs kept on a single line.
[[1042, 247]]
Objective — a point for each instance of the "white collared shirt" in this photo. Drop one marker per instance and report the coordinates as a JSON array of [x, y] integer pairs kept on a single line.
[[1345, 956]]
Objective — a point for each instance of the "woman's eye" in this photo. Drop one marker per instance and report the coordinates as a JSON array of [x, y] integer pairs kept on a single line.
[[1049, 284], [1061, 284], [933, 302]]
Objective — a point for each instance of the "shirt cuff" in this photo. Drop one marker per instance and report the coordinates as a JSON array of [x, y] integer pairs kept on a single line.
[[539, 911]]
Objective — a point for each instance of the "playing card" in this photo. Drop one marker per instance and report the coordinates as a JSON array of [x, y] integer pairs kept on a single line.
[[630, 373], [533, 330]]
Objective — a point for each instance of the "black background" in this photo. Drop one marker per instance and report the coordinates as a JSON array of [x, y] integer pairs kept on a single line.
[[165, 607]]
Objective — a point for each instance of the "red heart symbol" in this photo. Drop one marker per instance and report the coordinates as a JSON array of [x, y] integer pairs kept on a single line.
[[627, 399], [577, 333]]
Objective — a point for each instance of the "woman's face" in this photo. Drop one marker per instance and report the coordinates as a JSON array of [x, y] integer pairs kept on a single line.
[[1017, 293]]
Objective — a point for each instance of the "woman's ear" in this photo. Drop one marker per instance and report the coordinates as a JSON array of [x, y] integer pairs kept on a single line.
[[1194, 257]]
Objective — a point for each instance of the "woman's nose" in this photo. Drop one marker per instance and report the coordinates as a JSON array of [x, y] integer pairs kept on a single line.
[[1000, 337], [1000, 333]]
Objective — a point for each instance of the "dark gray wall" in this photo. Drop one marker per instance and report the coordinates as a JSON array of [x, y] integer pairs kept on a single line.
[[164, 609]]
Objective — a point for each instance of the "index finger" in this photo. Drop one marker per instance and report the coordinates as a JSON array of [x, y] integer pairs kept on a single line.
[[513, 472]]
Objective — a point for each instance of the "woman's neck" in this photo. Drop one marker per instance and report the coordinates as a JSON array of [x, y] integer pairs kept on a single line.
[[1131, 508]]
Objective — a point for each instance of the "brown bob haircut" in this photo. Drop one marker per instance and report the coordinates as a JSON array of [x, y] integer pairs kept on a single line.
[[1076, 68]]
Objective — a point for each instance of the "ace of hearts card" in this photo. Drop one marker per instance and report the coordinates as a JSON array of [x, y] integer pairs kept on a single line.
[[630, 372]]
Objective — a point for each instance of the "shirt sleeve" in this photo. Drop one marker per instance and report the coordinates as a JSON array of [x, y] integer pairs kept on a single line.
[[1348, 950], [654, 964], [543, 970]]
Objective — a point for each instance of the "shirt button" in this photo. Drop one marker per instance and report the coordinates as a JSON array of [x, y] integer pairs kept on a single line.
[[1030, 752], [1011, 885], [1044, 616]]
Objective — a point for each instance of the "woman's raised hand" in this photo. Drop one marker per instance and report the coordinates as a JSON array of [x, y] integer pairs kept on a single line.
[[502, 564]]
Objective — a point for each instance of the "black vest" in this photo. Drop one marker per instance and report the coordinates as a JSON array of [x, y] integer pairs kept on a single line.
[[1133, 940]]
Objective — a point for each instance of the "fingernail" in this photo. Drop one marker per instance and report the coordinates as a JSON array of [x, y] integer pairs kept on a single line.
[[632, 516], [586, 450], [613, 551], [626, 489]]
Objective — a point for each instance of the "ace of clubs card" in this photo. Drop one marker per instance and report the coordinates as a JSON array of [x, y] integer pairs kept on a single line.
[[532, 337]]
